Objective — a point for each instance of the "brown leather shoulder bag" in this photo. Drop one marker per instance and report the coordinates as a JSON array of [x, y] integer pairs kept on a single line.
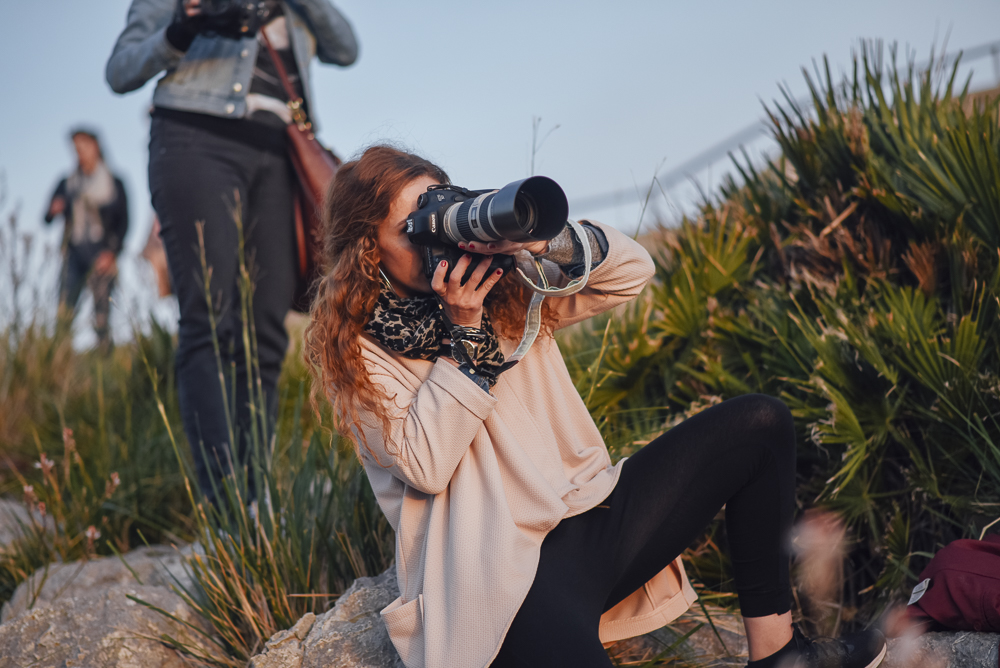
[[315, 167]]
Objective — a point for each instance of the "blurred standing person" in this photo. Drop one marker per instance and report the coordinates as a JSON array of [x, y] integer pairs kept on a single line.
[[93, 205], [218, 132]]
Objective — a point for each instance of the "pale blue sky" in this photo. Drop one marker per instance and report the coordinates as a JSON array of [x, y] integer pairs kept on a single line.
[[633, 85]]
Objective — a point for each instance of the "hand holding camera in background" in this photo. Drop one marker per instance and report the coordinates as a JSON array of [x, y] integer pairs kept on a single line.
[[231, 19]]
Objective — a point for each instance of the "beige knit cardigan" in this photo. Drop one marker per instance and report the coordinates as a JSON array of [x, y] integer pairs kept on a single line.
[[473, 482]]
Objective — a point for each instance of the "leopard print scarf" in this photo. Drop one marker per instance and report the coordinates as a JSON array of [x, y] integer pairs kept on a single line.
[[415, 327]]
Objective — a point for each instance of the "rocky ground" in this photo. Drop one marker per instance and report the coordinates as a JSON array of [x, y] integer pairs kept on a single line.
[[88, 615]]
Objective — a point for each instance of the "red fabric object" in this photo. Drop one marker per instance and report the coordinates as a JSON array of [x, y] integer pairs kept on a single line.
[[964, 588]]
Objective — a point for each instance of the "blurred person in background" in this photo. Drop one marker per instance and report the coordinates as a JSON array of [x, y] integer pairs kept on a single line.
[[93, 205], [218, 146]]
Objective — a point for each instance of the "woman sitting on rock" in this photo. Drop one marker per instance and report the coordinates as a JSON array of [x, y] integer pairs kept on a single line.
[[518, 541]]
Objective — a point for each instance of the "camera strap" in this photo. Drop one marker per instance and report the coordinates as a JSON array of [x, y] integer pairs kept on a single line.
[[533, 320]]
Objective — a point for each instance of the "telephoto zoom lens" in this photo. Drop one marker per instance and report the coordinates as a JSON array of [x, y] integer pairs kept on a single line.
[[532, 209]]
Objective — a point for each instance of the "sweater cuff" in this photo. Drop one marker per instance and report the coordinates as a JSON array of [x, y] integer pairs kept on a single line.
[[477, 378], [566, 250], [461, 386]]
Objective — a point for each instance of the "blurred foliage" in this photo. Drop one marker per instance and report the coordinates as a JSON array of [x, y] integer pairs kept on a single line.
[[856, 276]]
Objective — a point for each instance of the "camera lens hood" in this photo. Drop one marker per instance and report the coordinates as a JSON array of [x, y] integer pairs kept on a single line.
[[532, 209]]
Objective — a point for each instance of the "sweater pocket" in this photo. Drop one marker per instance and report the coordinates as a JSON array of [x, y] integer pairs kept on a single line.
[[405, 624]]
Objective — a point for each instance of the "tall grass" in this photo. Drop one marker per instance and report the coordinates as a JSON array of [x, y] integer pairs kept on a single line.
[[290, 528], [81, 440], [94, 446], [260, 565]]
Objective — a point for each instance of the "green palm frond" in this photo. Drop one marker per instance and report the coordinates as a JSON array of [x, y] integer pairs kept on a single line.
[[857, 276]]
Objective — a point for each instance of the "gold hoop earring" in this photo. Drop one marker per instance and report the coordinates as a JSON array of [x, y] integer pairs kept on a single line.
[[385, 281]]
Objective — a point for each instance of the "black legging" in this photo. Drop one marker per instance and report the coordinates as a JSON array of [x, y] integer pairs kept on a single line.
[[740, 453]]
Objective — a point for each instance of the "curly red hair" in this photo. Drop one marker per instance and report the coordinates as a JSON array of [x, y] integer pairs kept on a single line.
[[358, 202]]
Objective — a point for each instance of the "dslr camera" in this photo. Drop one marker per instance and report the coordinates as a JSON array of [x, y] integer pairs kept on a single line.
[[532, 209], [235, 18]]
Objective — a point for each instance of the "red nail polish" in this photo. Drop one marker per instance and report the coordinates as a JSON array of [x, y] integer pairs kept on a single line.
[[444, 263], [499, 271]]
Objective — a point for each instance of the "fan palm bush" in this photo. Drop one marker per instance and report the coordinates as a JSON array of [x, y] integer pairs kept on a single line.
[[856, 276]]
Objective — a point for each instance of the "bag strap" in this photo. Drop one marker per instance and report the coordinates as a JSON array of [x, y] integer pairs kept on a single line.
[[294, 103]]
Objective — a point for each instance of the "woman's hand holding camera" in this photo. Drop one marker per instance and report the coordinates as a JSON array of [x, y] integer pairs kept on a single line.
[[463, 304], [231, 19]]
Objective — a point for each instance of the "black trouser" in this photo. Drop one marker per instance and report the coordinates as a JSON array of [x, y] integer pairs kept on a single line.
[[740, 453], [76, 271], [196, 164]]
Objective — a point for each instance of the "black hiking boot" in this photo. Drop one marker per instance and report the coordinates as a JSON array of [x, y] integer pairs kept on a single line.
[[865, 649]]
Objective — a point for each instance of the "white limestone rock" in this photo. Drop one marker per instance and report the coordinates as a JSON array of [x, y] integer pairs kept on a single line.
[[350, 635], [154, 566], [103, 629]]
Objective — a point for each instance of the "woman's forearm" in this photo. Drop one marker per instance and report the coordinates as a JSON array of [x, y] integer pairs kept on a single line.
[[335, 40], [432, 428], [142, 50]]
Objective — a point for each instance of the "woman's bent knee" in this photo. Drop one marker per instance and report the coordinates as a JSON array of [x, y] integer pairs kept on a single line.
[[770, 412], [770, 417]]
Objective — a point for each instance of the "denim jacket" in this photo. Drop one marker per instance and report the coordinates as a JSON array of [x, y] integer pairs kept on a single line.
[[213, 75]]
